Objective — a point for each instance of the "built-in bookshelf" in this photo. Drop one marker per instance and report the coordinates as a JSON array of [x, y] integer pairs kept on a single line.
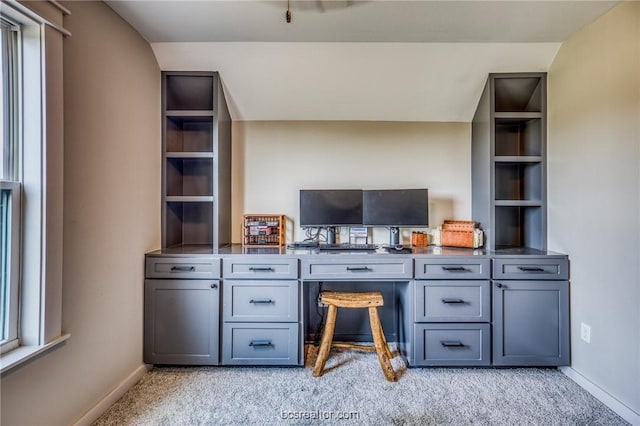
[[196, 163], [509, 161]]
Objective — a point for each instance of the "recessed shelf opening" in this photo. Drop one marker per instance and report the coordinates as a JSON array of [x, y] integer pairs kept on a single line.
[[521, 94], [189, 134], [189, 223], [518, 181], [519, 227], [189, 177], [189, 92], [518, 137]]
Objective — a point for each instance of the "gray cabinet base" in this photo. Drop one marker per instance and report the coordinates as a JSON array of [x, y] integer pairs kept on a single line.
[[530, 323], [181, 322]]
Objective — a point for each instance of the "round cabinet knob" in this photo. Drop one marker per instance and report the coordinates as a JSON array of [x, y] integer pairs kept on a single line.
[[499, 285], [214, 285]]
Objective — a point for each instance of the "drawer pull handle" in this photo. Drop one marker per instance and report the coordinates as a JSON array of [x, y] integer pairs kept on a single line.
[[183, 268], [453, 301], [260, 343], [261, 269], [452, 344], [214, 285], [261, 301], [359, 269], [454, 268], [530, 269]]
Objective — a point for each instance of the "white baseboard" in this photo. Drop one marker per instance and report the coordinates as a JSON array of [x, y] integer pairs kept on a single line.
[[109, 399], [607, 399]]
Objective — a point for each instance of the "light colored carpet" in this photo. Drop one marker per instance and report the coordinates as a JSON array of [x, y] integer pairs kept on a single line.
[[354, 387]]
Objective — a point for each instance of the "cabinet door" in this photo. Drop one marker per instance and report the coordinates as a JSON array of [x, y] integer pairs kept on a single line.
[[181, 322], [531, 323]]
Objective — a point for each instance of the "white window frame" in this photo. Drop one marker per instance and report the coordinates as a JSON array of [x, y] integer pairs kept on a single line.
[[11, 183], [13, 265], [40, 293]]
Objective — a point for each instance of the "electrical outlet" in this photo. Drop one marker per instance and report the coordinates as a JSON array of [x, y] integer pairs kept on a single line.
[[585, 332]]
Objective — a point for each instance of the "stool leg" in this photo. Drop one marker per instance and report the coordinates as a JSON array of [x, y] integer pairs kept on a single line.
[[380, 343], [327, 338], [386, 345]]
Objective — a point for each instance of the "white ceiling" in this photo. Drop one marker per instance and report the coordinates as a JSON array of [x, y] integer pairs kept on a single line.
[[356, 60]]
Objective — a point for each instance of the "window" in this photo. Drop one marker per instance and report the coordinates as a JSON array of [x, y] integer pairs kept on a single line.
[[31, 180], [10, 185]]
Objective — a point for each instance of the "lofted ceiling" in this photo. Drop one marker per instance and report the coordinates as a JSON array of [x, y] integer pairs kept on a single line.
[[356, 60]]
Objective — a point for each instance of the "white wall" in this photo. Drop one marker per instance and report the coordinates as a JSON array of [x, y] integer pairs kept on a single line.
[[594, 194], [111, 217], [273, 160]]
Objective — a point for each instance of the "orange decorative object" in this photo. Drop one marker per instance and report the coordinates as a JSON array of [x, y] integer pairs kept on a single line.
[[419, 239], [460, 233]]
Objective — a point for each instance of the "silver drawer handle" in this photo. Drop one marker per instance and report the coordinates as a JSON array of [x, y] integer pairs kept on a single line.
[[258, 301], [183, 268], [452, 343], [530, 269], [261, 269], [454, 268], [453, 301], [260, 343], [359, 269]]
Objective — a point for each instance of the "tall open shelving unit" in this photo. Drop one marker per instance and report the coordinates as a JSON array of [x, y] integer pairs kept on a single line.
[[509, 196], [196, 160]]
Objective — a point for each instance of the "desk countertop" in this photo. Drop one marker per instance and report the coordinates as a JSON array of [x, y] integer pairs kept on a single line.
[[238, 250]]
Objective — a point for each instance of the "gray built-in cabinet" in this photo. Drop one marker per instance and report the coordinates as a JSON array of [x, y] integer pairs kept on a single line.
[[182, 310], [530, 287], [261, 311], [531, 310], [196, 160], [452, 311], [207, 302], [509, 189]]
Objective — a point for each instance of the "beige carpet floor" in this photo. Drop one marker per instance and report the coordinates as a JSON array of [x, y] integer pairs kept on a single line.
[[354, 392]]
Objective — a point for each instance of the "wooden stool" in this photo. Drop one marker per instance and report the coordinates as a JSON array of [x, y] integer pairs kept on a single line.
[[371, 301]]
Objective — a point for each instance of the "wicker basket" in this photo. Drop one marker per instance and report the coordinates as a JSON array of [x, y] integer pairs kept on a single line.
[[461, 233], [263, 230]]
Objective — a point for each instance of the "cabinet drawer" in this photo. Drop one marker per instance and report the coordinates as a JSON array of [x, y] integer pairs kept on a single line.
[[258, 269], [452, 301], [260, 300], [260, 344], [535, 269], [355, 269], [451, 344], [182, 267], [456, 269]]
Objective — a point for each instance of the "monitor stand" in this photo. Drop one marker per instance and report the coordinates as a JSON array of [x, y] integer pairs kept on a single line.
[[394, 236], [331, 234]]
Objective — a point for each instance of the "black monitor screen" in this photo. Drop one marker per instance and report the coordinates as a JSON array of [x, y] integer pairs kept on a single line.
[[330, 207], [395, 207]]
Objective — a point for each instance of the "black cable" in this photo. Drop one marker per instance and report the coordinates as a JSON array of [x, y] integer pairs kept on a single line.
[[320, 311]]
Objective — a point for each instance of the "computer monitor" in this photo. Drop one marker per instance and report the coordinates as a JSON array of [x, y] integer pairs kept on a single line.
[[330, 207], [395, 208]]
